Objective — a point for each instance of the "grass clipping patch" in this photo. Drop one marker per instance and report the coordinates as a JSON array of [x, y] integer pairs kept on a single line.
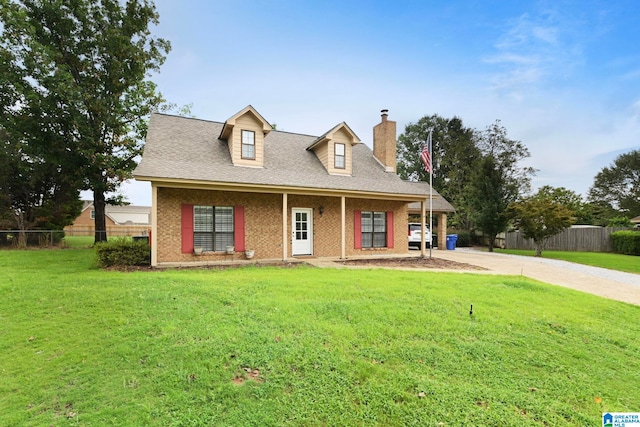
[[123, 252]]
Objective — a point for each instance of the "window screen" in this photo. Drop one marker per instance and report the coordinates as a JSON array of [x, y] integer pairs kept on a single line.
[[374, 229], [248, 144], [213, 227], [339, 157]]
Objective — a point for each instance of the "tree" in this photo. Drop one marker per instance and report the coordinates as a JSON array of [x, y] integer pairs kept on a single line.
[[76, 74], [617, 187], [489, 199], [620, 221], [453, 155], [581, 211], [498, 180], [543, 215], [35, 194]]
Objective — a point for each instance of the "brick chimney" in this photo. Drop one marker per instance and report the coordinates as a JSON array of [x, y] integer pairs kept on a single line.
[[384, 142]]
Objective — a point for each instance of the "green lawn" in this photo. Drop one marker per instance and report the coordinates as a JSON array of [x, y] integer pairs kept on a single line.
[[304, 346], [627, 263], [78, 241]]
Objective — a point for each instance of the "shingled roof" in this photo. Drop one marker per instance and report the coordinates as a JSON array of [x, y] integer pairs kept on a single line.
[[179, 148]]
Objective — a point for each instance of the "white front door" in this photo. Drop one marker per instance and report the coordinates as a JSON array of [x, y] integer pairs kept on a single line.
[[302, 228]]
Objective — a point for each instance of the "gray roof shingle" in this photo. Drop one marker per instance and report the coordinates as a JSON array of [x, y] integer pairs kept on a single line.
[[179, 148]]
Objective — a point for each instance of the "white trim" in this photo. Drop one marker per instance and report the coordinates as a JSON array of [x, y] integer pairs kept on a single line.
[[154, 225], [343, 228], [285, 223], [264, 188]]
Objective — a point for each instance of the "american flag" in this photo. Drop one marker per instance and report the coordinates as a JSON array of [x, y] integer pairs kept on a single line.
[[425, 155]]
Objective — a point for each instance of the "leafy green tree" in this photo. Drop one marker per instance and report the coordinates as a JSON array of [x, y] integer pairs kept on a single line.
[[75, 73], [35, 192], [620, 221], [489, 199], [600, 212], [453, 155], [581, 211], [543, 215], [498, 180], [618, 186]]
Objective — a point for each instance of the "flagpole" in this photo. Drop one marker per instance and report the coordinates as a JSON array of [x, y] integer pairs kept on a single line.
[[427, 158], [431, 191]]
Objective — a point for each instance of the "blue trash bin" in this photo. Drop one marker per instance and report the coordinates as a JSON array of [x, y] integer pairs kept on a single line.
[[451, 242]]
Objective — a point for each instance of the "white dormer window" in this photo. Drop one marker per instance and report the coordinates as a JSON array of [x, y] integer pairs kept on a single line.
[[248, 144], [339, 156]]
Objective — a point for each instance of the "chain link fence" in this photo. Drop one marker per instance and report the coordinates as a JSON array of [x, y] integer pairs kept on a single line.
[[20, 239]]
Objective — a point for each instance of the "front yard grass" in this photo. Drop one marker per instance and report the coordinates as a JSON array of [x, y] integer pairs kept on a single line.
[[304, 346], [626, 263]]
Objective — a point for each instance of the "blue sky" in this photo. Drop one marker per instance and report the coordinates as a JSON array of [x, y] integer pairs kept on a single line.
[[562, 76]]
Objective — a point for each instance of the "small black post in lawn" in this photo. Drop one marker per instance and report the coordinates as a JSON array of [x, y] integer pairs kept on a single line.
[[471, 310]]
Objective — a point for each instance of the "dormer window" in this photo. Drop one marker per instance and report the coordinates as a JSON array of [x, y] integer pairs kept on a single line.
[[248, 144], [245, 133], [335, 149], [339, 156]]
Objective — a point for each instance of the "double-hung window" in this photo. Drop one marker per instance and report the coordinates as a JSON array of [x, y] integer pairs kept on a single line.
[[248, 144], [339, 156], [213, 227], [374, 229]]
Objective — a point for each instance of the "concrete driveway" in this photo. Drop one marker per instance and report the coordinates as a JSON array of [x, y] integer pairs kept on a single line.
[[598, 281], [606, 283]]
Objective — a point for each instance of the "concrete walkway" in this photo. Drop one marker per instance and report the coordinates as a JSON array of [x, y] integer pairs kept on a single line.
[[610, 284]]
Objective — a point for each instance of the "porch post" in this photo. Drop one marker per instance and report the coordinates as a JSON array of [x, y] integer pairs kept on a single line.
[[442, 231], [423, 214], [285, 222], [343, 228], [154, 225]]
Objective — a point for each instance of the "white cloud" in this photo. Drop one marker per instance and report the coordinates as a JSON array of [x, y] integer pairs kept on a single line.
[[534, 48]]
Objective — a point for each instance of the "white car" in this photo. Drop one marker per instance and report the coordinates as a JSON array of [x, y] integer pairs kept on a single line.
[[415, 236]]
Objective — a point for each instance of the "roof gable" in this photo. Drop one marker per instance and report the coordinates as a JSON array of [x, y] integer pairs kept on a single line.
[[231, 122], [331, 134]]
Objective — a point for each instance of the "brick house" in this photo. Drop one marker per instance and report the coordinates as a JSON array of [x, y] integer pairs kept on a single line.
[[221, 189], [125, 220]]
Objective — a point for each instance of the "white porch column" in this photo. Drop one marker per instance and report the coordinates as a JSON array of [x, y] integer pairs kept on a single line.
[[343, 228], [285, 222], [423, 218], [154, 225]]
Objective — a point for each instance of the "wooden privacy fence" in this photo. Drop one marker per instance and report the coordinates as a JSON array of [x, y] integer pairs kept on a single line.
[[571, 239]]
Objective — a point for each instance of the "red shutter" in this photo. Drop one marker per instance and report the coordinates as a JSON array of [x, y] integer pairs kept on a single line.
[[187, 229], [238, 228], [357, 229], [390, 238]]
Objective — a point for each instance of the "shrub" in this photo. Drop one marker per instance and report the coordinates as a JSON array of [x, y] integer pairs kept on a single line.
[[626, 242], [464, 239], [123, 252]]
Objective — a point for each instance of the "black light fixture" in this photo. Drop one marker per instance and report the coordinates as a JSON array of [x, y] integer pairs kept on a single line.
[[321, 210]]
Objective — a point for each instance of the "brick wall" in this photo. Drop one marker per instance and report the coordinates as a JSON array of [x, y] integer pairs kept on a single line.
[[400, 220], [263, 223]]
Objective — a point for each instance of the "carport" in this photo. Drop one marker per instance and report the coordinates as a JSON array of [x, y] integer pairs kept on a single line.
[[441, 208]]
